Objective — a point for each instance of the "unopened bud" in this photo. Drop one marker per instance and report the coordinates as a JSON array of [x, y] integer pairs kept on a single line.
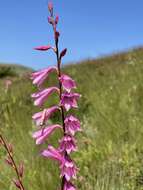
[[50, 6], [17, 183], [57, 19], [63, 53], [9, 161], [43, 48], [21, 169], [10, 147]]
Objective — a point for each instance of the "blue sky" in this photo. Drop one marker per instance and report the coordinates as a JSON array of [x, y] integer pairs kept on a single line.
[[88, 29]]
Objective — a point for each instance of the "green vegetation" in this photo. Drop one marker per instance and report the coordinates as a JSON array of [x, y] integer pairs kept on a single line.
[[110, 153]]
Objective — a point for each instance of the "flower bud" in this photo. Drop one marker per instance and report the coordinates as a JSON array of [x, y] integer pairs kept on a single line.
[[63, 53], [10, 148], [17, 183], [43, 48], [21, 169], [9, 161], [57, 19], [50, 7]]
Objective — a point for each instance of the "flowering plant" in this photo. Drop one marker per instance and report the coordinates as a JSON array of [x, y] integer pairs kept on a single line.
[[67, 100], [19, 169]]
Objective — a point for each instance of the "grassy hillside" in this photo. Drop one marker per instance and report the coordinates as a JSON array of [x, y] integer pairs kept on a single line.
[[111, 110], [13, 70]]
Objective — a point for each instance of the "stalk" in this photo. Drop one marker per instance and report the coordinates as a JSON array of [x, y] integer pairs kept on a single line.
[[60, 88], [13, 161], [60, 95]]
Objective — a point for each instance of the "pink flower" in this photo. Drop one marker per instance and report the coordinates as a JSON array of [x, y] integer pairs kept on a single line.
[[40, 76], [68, 169], [69, 100], [43, 48], [67, 82], [42, 116], [44, 133], [52, 153], [69, 186], [72, 125], [7, 83], [41, 97], [68, 144]]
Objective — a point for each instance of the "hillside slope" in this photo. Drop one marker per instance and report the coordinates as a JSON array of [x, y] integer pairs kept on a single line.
[[111, 110]]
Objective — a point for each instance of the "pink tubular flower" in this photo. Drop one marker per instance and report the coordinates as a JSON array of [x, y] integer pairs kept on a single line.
[[40, 76], [42, 116], [69, 186], [72, 125], [68, 144], [41, 97], [52, 153], [67, 82], [44, 133], [69, 100], [68, 169]]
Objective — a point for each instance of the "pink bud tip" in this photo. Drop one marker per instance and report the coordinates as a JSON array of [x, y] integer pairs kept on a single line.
[[17, 183], [21, 169], [57, 19], [50, 6], [10, 147], [9, 161], [63, 53], [43, 48]]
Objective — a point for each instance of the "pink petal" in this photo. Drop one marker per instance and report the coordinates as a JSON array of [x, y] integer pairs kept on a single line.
[[52, 153], [72, 125], [39, 77], [44, 115], [69, 186], [67, 82], [41, 97], [44, 133]]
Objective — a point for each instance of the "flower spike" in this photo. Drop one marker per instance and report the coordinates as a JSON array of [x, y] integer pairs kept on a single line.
[[67, 100]]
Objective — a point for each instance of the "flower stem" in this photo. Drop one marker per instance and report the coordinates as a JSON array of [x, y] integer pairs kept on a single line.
[[62, 110], [60, 94], [13, 161]]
